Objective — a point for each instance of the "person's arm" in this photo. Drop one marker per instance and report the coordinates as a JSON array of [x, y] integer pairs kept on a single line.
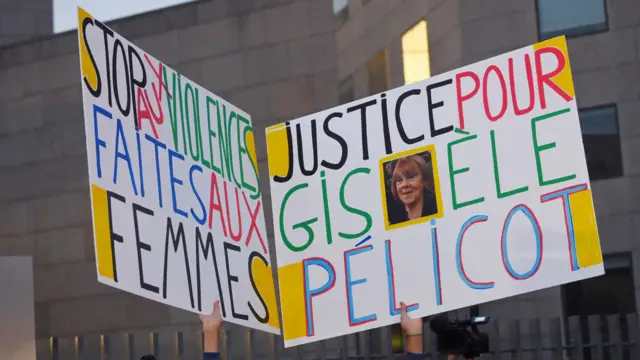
[[211, 326], [414, 345], [412, 329]]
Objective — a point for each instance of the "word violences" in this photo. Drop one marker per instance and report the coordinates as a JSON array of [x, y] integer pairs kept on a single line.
[[176, 199]]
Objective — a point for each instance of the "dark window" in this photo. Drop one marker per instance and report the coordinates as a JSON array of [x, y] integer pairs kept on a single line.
[[571, 17], [378, 73], [610, 294], [601, 139], [346, 91]]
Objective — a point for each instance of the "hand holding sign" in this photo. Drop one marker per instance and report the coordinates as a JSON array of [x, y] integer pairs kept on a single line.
[[211, 325], [413, 329]]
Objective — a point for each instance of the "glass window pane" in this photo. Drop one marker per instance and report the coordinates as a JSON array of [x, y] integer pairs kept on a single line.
[[378, 73], [559, 16], [339, 5], [601, 121], [415, 54], [601, 142]]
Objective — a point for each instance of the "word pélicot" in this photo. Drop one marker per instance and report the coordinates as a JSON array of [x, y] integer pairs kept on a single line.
[[387, 270]]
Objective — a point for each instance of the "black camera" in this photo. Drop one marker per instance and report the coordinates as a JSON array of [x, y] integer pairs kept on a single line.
[[460, 337]]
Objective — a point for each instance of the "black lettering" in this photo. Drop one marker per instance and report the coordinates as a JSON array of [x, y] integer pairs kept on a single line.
[[363, 125], [206, 248], [106, 32], [142, 246], [385, 124], [127, 109], [175, 240], [230, 278], [114, 236], [314, 147], [339, 139], [264, 319], [141, 83], [98, 90], [283, 179], [432, 106], [403, 134]]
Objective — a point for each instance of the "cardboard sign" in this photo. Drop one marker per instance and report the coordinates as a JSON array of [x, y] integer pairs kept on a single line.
[[468, 187], [175, 191]]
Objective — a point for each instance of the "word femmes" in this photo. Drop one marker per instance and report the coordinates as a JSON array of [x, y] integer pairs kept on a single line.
[[469, 87], [184, 246], [203, 127]]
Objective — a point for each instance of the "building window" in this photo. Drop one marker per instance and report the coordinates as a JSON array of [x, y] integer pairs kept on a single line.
[[601, 139], [378, 73], [346, 91], [557, 17], [341, 9], [610, 294], [415, 54]]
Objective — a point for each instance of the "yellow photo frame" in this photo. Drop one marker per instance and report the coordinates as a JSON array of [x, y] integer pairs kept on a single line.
[[431, 149]]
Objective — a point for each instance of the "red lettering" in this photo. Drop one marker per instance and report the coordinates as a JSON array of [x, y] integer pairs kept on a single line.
[[160, 80], [253, 225], [485, 93], [143, 112], [216, 205], [546, 78], [462, 98], [512, 83], [235, 237]]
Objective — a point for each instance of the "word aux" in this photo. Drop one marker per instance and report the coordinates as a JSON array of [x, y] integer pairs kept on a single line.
[[176, 197]]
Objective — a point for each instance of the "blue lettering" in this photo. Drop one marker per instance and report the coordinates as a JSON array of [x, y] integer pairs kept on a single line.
[[123, 155]]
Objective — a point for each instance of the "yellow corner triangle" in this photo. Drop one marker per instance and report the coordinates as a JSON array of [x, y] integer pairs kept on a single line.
[[564, 80], [86, 64]]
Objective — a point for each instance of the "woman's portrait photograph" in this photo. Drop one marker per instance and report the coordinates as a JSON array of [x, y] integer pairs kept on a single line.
[[411, 191]]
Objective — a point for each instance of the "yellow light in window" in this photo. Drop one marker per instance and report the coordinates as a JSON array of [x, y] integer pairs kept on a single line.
[[415, 54]]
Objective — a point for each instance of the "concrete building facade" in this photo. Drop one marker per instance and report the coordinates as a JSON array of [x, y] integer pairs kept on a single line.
[[278, 60]]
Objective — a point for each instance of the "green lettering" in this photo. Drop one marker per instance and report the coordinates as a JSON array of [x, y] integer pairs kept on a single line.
[[537, 149], [453, 172], [223, 140], [496, 172], [189, 92], [306, 225], [232, 169], [212, 134], [184, 134], [256, 190], [242, 148], [325, 205], [172, 108], [343, 202]]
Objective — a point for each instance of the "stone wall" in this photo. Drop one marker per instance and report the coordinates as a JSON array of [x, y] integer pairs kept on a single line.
[[275, 59]]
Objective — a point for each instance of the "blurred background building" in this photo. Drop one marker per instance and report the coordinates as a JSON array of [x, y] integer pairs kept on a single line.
[[281, 59]]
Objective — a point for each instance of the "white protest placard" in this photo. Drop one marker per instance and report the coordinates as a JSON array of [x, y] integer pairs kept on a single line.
[[460, 189], [175, 192]]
